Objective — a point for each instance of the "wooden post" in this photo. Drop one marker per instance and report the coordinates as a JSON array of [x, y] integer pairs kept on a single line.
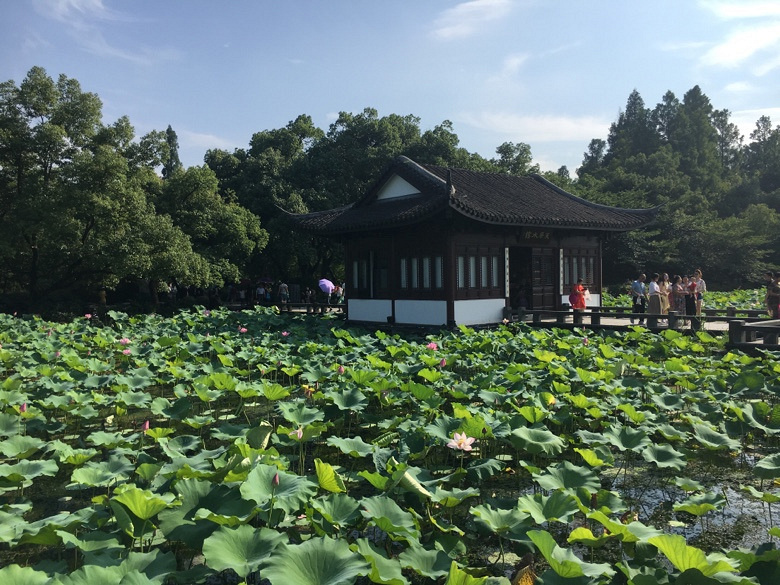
[[736, 332], [672, 319], [595, 318], [577, 316]]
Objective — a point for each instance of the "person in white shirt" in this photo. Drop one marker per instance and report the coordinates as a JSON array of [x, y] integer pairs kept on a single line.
[[654, 300], [701, 288]]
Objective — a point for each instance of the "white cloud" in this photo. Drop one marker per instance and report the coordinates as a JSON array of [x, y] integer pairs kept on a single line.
[[746, 119], [467, 18], [743, 44], [541, 128], [82, 19], [189, 139], [741, 9], [739, 87]]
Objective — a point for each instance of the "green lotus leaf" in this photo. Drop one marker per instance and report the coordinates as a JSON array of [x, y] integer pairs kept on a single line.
[[354, 447], [568, 476], [318, 561], [768, 467], [11, 527], [714, 440], [111, 440], [511, 523], [299, 414], [563, 561], [351, 399], [419, 391], [362, 377], [142, 503], [337, 509], [536, 440], [180, 523], [90, 541], [137, 399], [457, 576], [91, 574], [375, 478], [274, 392], [664, 456], [387, 515], [102, 473], [291, 493], [10, 425], [20, 446], [481, 469], [557, 507], [700, 504], [242, 549], [443, 428], [593, 457], [584, 536], [452, 498], [328, 478], [685, 557], [383, 569], [178, 410], [767, 497], [16, 575], [626, 438], [428, 563]]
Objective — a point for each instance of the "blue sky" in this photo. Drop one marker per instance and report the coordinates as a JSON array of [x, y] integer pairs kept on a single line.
[[552, 74]]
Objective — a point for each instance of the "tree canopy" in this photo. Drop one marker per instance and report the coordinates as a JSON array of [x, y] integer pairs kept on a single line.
[[86, 205]]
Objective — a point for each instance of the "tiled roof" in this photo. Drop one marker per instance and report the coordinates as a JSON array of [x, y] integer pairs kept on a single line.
[[492, 198]]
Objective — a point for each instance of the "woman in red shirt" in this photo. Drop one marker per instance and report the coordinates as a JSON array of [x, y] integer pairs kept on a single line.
[[577, 296]]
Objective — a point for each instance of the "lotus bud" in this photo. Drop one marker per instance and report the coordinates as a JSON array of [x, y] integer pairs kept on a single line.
[[146, 426], [23, 407], [443, 362], [341, 370], [275, 481]]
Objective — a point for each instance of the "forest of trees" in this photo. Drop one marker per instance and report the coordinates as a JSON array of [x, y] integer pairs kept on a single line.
[[86, 205]]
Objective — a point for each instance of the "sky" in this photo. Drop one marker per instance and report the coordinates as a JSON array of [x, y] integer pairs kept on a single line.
[[551, 74]]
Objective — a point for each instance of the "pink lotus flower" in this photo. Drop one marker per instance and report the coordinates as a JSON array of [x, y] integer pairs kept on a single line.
[[242, 329], [126, 351], [297, 433], [124, 341], [56, 353], [23, 407], [88, 315], [206, 313], [585, 341], [285, 333], [275, 480], [432, 346], [443, 362], [341, 370], [461, 441], [146, 426]]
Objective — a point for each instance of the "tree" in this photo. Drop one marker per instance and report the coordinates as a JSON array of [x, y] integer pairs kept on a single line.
[[515, 159], [171, 162]]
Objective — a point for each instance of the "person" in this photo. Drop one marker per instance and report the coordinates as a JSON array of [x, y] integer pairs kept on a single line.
[[701, 288], [284, 293], [772, 294], [666, 290], [577, 296], [654, 301], [690, 295], [638, 297], [678, 295]]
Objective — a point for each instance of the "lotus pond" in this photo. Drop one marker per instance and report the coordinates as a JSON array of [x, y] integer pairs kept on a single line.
[[221, 447]]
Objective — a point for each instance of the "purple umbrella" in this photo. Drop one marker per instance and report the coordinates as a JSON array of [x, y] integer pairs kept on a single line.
[[326, 286]]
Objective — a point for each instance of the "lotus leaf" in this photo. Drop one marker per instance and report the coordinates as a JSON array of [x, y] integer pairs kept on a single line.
[[685, 557], [558, 507], [388, 516], [291, 493], [383, 569], [242, 549], [563, 561], [318, 561], [664, 456], [16, 575], [536, 440], [568, 476], [429, 563]]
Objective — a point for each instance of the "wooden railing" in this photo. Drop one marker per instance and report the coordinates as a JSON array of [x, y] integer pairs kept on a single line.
[[744, 334]]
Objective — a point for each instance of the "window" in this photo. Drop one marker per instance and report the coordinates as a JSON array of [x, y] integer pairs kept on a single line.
[[415, 273], [438, 272], [355, 275], [494, 272], [426, 272], [461, 272], [404, 277], [472, 272]]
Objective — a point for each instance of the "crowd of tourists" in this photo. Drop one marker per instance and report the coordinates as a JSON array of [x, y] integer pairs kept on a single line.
[[682, 294]]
